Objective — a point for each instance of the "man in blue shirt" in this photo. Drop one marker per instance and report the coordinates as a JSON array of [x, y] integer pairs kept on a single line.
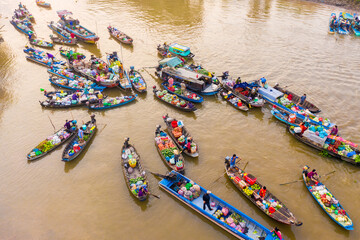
[[302, 99], [233, 161]]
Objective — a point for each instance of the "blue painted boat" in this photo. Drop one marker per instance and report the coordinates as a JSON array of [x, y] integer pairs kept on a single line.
[[128, 99], [188, 93], [283, 117], [320, 189], [355, 30], [253, 229], [65, 81], [40, 60], [273, 96], [341, 30], [59, 29], [137, 80], [25, 29]]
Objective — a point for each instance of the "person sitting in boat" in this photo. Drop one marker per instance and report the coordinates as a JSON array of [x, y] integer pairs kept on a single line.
[[190, 105], [67, 125], [74, 97], [303, 127], [262, 192], [263, 82], [100, 97], [333, 22], [188, 144], [276, 232], [142, 192], [238, 80], [302, 100], [206, 199], [176, 155], [233, 161], [313, 176], [334, 131], [225, 75]]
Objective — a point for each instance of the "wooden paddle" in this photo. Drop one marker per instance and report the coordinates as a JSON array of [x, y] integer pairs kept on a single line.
[[302, 179], [158, 197], [51, 123]]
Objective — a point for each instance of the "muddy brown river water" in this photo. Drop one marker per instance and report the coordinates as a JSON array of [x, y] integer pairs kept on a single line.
[[284, 40]]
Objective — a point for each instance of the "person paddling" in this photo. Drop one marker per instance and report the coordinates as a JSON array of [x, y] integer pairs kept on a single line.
[[277, 233], [334, 131], [233, 161]]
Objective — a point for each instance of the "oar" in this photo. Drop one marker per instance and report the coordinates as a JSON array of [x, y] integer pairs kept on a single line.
[[158, 197], [156, 174], [301, 179], [52, 123]]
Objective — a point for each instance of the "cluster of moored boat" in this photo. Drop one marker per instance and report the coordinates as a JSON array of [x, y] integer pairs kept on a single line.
[[345, 24], [184, 84]]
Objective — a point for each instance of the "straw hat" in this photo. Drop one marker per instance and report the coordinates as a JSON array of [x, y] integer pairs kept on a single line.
[[208, 192]]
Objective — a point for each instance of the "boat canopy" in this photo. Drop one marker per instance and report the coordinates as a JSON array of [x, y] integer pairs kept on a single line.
[[179, 49], [61, 13], [171, 62], [270, 93]]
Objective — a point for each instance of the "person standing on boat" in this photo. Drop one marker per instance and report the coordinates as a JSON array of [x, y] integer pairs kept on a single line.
[[93, 120], [233, 161], [302, 99], [262, 192], [67, 125], [277, 233], [81, 134], [313, 176], [206, 199], [334, 131], [263, 81], [183, 87]]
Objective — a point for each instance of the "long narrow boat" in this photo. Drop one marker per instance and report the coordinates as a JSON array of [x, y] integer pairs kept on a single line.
[[71, 151], [73, 84], [23, 12], [68, 53], [51, 143], [120, 36], [329, 148], [173, 100], [59, 30], [46, 62], [112, 102], [332, 29], [296, 98], [63, 99], [233, 100], [187, 94], [283, 116], [135, 175], [118, 69], [174, 49], [281, 101], [137, 81], [73, 26], [41, 43], [235, 222], [328, 203], [182, 135], [166, 149], [270, 204], [42, 3], [64, 41], [243, 91], [22, 27]]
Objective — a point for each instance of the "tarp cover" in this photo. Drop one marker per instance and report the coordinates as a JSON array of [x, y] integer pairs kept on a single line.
[[61, 13], [171, 62]]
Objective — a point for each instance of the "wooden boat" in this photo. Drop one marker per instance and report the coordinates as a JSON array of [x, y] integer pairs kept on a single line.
[[245, 228], [23, 13], [59, 29], [334, 212], [283, 116], [175, 50], [22, 27], [197, 82], [63, 99], [42, 3], [185, 133], [64, 83], [120, 101], [133, 174], [137, 81], [44, 144], [320, 147], [118, 69], [41, 43], [64, 41], [187, 94], [251, 192], [296, 98], [73, 26], [233, 100], [31, 51], [44, 61], [69, 154], [67, 53], [120, 36], [179, 166], [243, 91], [189, 107]]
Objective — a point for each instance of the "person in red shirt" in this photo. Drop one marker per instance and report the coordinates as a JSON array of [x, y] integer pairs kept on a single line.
[[72, 35], [303, 128], [262, 192]]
